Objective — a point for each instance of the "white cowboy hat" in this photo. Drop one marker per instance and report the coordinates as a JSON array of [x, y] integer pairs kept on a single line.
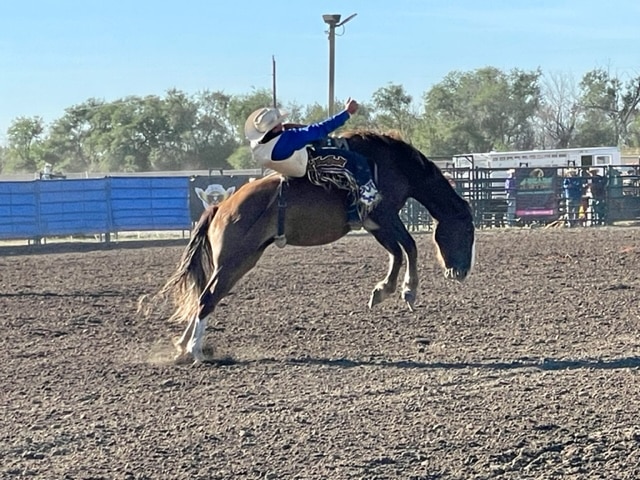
[[262, 121]]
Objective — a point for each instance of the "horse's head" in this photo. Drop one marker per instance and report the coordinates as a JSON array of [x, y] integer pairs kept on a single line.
[[455, 244]]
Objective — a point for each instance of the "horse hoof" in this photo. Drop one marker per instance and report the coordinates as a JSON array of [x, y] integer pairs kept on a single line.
[[280, 241], [182, 359], [410, 299], [377, 296]]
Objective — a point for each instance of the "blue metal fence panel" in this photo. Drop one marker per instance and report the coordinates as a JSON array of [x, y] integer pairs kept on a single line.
[[152, 203], [37, 209], [19, 210], [69, 207]]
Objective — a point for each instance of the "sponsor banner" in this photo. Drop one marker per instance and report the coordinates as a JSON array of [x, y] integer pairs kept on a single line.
[[536, 194], [205, 191]]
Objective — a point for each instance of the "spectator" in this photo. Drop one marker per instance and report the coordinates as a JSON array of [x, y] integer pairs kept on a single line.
[[597, 198], [572, 187], [510, 187]]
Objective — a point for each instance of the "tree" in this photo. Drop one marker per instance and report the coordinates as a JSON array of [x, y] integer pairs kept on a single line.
[[634, 134], [611, 107], [76, 141], [24, 151], [242, 159], [214, 135], [317, 113], [179, 146], [240, 107], [393, 110], [3, 158], [481, 111], [559, 112]]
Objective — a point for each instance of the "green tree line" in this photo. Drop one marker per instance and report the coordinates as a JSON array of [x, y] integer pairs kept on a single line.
[[476, 111]]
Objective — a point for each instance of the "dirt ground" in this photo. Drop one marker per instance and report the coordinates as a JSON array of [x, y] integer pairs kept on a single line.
[[529, 369]]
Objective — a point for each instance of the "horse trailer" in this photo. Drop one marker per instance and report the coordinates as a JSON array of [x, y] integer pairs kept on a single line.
[[563, 158]]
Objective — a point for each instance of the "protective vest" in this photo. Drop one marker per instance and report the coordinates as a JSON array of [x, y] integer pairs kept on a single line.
[[294, 166]]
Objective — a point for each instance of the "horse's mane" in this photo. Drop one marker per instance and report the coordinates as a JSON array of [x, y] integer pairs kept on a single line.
[[393, 139], [422, 173], [366, 133]]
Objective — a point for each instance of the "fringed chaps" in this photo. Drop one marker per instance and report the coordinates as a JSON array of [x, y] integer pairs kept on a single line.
[[327, 170]]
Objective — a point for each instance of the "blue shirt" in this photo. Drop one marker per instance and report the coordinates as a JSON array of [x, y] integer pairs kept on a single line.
[[296, 138], [572, 188]]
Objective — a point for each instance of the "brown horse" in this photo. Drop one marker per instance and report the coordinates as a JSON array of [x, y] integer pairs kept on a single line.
[[230, 238]]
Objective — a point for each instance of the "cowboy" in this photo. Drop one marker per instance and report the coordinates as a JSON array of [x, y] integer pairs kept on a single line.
[[284, 148], [597, 194], [573, 189]]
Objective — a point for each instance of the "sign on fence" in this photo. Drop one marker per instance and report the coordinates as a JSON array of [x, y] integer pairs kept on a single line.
[[211, 190], [536, 192]]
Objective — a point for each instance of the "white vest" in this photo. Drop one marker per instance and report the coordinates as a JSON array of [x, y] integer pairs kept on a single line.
[[294, 166]]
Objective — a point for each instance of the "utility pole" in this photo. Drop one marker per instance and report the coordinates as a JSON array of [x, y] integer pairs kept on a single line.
[[273, 68], [333, 20]]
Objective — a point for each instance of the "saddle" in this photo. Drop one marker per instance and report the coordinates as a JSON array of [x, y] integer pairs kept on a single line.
[[324, 171]]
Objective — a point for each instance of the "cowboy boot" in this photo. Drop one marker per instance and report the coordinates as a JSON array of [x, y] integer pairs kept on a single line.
[[369, 195]]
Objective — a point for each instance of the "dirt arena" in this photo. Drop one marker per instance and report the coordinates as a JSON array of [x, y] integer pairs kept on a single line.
[[530, 369]]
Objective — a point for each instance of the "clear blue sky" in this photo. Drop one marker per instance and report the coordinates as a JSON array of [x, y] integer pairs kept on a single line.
[[59, 53]]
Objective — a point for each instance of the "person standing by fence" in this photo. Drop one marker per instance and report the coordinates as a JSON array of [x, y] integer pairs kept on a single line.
[[510, 187], [598, 191], [572, 187]]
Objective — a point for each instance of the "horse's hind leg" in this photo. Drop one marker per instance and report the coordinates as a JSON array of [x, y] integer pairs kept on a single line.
[[226, 275], [181, 343]]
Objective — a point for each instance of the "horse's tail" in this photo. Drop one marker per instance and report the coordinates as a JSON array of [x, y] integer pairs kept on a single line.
[[193, 272]]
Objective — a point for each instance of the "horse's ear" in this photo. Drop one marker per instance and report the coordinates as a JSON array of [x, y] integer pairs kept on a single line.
[[230, 190]]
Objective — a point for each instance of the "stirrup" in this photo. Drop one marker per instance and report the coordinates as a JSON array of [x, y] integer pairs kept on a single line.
[[358, 219], [368, 224]]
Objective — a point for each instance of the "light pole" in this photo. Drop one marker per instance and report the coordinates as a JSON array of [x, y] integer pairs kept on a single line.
[[333, 20]]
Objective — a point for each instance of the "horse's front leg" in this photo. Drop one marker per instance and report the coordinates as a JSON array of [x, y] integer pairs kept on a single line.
[[387, 286], [408, 245], [411, 280]]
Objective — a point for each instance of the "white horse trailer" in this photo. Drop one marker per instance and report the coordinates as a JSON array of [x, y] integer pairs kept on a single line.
[[487, 171], [565, 157]]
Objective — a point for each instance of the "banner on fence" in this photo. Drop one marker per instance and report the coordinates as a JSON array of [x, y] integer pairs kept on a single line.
[[536, 192], [206, 191]]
